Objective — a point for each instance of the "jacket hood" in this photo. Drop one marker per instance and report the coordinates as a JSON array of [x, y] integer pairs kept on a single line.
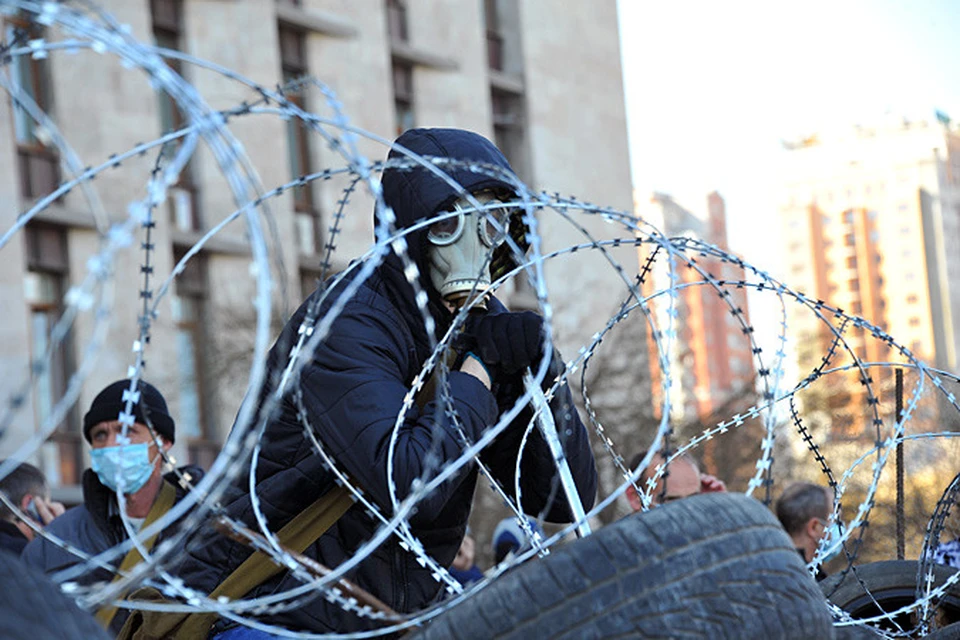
[[417, 193]]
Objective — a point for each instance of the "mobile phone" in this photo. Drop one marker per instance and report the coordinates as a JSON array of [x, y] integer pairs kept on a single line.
[[31, 511]]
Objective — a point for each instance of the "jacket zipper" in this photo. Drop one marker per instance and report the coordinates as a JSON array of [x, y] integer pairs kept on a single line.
[[400, 580]]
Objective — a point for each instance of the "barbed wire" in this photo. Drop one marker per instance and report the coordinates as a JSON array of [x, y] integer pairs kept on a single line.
[[82, 28]]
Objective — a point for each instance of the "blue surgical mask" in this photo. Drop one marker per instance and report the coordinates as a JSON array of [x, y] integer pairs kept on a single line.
[[833, 533], [127, 468]]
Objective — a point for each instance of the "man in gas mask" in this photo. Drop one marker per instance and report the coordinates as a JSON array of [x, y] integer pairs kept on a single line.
[[353, 391], [129, 463]]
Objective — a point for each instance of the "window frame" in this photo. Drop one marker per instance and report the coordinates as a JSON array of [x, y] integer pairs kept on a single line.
[[46, 255], [35, 159], [293, 63], [405, 112]]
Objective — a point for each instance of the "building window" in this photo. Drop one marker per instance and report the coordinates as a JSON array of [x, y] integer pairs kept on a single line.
[[853, 284], [294, 61], [494, 37], [45, 283], [397, 20], [194, 422], [849, 240], [914, 322], [39, 163], [403, 96], [852, 262], [508, 127], [912, 299], [167, 19]]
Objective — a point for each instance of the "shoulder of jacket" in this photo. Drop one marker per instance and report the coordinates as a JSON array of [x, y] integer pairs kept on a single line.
[[372, 299], [68, 521]]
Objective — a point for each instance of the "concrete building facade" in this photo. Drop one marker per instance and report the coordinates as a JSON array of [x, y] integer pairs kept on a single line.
[[504, 69]]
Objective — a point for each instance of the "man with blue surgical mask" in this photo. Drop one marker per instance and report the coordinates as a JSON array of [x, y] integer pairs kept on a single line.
[[130, 464], [804, 511]]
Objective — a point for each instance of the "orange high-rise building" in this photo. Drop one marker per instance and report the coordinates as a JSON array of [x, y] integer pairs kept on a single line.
[[711, 359]]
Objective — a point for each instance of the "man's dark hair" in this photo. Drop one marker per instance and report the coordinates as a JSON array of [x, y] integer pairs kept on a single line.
[[25, 479], [801, 501]]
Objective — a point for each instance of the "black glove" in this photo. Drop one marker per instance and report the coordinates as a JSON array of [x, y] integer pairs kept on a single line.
[[509, 342]]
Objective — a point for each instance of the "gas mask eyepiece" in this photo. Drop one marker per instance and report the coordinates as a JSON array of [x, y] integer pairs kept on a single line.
[[461, 243]]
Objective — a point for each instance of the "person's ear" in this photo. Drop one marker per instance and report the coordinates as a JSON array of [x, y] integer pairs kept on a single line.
[[25, 502], [813, 529], [164, 443], [633, 498]]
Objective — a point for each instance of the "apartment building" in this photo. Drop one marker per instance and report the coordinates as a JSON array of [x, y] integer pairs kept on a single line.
[[711, 359], [871, 216]]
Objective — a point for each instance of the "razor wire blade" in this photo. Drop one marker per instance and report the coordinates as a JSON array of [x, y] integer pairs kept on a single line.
[[84, 30]]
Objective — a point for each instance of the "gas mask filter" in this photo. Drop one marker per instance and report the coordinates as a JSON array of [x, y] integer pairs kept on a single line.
[[461, 243]]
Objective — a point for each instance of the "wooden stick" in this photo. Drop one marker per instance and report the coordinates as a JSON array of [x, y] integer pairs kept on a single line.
[[257, 541]]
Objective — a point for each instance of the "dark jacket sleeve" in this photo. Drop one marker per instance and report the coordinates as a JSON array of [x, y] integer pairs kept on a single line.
[[74, 527], [354, 389], [539, 481]]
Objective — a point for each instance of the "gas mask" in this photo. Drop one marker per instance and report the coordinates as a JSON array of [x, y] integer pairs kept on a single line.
[[461, 246]]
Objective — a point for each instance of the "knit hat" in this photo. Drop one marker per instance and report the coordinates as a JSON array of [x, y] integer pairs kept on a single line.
[[111, 402], [509, 537]]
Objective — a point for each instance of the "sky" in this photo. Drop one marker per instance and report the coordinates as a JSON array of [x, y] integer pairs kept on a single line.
[[713, 87]]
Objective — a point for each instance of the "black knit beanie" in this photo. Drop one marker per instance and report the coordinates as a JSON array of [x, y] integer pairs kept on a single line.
[[110, 402]]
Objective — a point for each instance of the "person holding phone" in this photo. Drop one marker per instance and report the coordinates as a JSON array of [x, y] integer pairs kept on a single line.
[[26, 488]]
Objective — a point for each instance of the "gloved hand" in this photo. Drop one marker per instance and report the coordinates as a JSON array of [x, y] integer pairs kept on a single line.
[[508, 342]]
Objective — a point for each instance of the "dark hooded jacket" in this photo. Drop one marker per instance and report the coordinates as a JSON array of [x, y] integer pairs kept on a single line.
[[94, 527], [11, 538], [353, 389]]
